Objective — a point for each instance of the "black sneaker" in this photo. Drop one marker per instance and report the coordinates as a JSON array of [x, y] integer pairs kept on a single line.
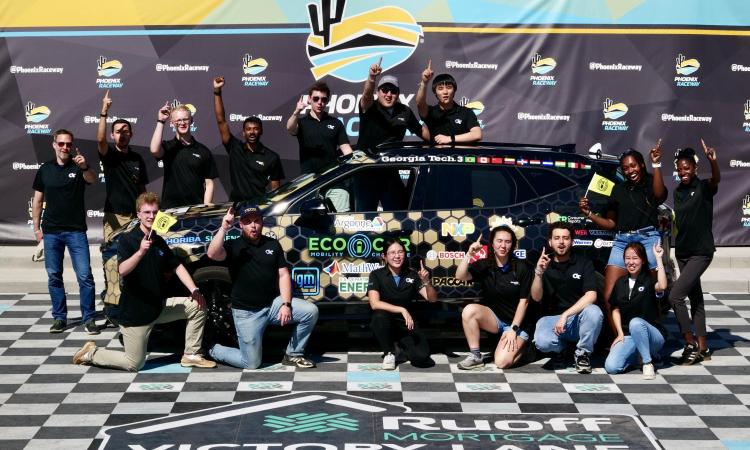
[[90, 327], [583, 363], [297, 361], [58, 326], [558, 361], [706, 354], [690, 355]]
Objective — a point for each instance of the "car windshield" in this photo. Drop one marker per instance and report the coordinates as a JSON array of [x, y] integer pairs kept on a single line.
[[290, 187]]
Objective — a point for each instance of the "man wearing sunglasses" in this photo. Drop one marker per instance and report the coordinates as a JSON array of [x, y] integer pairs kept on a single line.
[[189, 168], [385, 119], [61, 183], [319, 134]]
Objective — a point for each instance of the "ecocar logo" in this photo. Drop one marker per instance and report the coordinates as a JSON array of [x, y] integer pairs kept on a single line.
[[345, 48], [36, 114]]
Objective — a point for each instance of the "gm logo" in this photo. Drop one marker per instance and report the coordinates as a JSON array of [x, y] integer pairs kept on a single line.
[[306, 281], [457, 229]]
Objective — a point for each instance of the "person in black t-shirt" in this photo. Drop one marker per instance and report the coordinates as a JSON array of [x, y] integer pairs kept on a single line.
[[447, 121], [385, 119], [505, 282], [694, 247], [392, 290], [632, 210], [61, 183], [189, 168], [636, 313], [252, 165], [261, 293], [124, 171], [565, 285], [145, 265], [319, 134]]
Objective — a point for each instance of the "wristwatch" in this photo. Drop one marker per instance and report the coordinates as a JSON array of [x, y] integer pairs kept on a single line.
[[514, 327]]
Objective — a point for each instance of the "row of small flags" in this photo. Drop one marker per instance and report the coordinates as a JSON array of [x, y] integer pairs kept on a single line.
[[525, 162]]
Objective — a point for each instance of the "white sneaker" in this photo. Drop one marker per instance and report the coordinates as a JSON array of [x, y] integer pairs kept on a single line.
[[648, 372], [389, 362]]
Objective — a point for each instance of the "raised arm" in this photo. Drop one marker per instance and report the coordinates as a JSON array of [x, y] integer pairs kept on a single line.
[[608, 222], [537, 286], [221, 119], [421, 97], [292, 125], [462, 271], [101, 129], [710, 153], [660, 191], [368, 92], [161, 118], [216, 249]]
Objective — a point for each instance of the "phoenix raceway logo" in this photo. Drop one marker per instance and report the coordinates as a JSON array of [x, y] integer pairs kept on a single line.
[[251, 69], [746, 115], [193, 111], [746, 212], [105, 70], [346, 47], [685, 67], [612, 111], [34, 116], [333, 421], [539, 68], [476, 106]]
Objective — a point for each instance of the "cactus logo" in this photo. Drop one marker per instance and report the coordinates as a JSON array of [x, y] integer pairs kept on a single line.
[[614, 110], [686, 66], [746, 113], [475, 106], [745, 220], [35, 115], [345, 47], [253, 66], [541, 65], [105, 70]]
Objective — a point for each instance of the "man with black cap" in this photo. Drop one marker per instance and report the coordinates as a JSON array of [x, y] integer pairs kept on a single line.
[[261, 293], [385, 119], [448, 122]]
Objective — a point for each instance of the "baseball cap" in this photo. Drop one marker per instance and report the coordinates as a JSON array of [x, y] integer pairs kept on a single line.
[[249, 210], [444, 78], [388, 79]]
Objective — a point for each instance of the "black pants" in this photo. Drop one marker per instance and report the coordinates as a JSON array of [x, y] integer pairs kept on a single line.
[[689, 285], [390, 328]]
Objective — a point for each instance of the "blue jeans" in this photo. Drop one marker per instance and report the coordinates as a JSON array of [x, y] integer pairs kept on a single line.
[[647, 236], [582, 328], [78, 248], [250, 326], [502, 327], [644, 340]]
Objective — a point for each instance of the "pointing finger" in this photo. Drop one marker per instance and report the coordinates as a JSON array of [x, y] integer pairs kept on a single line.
[[106, 94], [380, 61], [429, 64], [705, 147], [78, 152], [658, 143], [421, 264]]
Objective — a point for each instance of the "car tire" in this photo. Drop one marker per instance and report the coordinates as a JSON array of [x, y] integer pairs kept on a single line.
[[215, 284]]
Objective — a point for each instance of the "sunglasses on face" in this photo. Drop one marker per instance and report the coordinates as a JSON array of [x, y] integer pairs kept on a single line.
[[389, 90], [317, 99], [64, 144]]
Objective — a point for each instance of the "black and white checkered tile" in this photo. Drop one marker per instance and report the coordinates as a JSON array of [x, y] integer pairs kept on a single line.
[[47, 402]]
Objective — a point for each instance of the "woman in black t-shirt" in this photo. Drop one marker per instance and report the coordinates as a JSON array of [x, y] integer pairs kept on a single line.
[[392, 290], [636, 314], [505, 283], [694, 248]]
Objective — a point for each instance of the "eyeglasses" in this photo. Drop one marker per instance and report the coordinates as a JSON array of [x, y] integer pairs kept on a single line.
[[396, 253], [389, 90], [149, 212], [181, 121], [317, 99], [64, 144]]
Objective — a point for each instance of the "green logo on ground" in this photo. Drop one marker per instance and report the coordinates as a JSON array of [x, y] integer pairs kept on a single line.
[[593, 387], [317, 423]]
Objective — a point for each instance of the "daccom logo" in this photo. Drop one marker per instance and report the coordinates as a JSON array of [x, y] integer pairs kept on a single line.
[[539, 68], [306, 281], [251, 68], [105, 70], [34, 115], [355, 246], [345, 47]]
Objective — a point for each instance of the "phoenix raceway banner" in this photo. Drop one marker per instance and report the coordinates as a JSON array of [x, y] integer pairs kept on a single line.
[[621, 74]]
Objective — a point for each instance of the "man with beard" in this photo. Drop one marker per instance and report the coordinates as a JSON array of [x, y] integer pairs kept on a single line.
[[124, 171], [189, 168], [448, 122], [252, 165], [565, 284], [261, 293]]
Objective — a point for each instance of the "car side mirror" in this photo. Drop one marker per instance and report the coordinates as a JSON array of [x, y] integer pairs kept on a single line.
[[315, 207], [314, 214]]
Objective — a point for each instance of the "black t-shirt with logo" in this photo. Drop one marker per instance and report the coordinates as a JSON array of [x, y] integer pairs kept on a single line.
[[250, 171], [565, 282], [635, 204], [378, 125], [124, 174], [457, 120], [144, 288], [641, 301], [63, 188], [694, 215], [254, 268], [186, 167], [319, 142], [503, 287], [403, 294]]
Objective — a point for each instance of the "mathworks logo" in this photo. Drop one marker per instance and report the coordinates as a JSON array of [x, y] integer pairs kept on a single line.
[[105, 70], [685, 67], [345, 47], [539, 68], [251, 68], [311, 423], [35, 115], [612, 111]]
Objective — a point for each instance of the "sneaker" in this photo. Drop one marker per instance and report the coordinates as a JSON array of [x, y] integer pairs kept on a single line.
[[90, 327], [583, 363], [558, 361], [297, 361], [470, 362], [690, 355], [58, 326], [85, 353], [706, 354], [196, 361], [389, 362], [649, 373]]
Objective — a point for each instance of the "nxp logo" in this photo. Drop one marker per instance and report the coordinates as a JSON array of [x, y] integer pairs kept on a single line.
[[457, 228], [345, 47], [306, 281]]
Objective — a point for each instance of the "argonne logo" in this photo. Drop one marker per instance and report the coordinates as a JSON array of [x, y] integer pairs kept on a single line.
[[345, 48]]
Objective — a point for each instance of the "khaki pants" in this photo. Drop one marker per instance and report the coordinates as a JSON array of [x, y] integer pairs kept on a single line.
[[134, 339], [113, 222]]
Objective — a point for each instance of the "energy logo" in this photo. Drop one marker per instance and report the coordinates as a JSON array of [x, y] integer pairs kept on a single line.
[[612, 111], [345, 47], [253, 66], [315, 423], [106, 68], [36, 114], [685, 67], [540, 67]]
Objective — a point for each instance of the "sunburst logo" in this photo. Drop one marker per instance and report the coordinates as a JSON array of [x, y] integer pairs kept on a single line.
[[345, 47], [686, 66], [253, 66], [541, 65], [614, 110], [36, 114], [105, 68]]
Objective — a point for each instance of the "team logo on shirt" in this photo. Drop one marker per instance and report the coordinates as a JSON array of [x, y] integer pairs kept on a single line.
[[34, 116], [269, 251], [576, 276], [251, 68], [612, 111], [105, 70], [540, 67], [685, 67], [345, 47]]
